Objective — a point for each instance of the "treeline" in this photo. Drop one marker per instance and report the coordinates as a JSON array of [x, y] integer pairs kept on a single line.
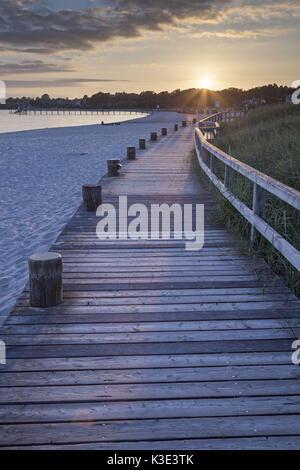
[[193, 98]]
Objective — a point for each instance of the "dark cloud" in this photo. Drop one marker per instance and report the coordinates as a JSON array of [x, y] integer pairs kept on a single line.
[[32, 66], [30, 26]]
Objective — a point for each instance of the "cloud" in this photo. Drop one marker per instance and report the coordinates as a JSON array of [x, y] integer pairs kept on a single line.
[[33, 66], [265, 12], [63, 82], [239, 34], [32, 27]]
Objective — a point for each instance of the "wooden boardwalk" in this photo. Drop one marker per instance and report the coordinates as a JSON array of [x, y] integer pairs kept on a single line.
[[154, 347]]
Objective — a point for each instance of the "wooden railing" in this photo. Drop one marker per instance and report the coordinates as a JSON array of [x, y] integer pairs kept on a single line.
[[209, 155]]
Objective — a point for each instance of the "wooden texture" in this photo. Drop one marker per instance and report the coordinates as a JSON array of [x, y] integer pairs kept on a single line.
[[113, 167], [154, 347], [131, 153], [45, 280], [92, 196], [142, 144]]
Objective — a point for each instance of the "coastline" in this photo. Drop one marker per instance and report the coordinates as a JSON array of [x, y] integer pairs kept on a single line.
[[43, 171]]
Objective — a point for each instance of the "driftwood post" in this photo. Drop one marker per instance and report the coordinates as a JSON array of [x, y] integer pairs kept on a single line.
[[153, 136], [142, 144], [131, 153], [45, 279], [175, 127], [92, 196], [113, 167], [164, 131]]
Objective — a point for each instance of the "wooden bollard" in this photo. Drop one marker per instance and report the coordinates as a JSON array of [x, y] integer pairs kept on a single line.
[[45, 279], [142, 144], [194, 121], [164, 131], [92, 196], [183, 123], [153, 136], [113, 167], [175, 127], [131, 153]]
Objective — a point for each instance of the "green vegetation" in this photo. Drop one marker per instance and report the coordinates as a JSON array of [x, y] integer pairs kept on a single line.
[[267, 139]]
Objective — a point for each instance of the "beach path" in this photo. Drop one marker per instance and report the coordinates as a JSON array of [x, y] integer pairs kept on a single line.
[[154, 346]]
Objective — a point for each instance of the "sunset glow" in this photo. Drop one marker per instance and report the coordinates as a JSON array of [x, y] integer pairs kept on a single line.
[[205, 82], [76, 47]]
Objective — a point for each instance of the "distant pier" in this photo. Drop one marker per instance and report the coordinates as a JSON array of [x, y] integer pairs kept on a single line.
[[62, 111]]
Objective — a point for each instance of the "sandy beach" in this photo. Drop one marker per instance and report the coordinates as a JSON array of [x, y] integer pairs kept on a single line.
[[41, 175]]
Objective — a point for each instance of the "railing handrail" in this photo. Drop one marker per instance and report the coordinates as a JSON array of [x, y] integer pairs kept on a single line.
[[261, 182], [287, 194]]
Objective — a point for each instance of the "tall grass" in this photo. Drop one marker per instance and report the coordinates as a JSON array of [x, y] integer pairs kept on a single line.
[[267, 139]]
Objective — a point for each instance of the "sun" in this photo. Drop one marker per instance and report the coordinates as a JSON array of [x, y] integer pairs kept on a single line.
[[205, 82]]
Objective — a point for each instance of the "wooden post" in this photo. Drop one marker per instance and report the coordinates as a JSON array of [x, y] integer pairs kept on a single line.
[[113, 167], [213, 164], [131, 153], [183, 123], [92, 196], [142, 144], [204, 155], [194, 121], [45, 279], [258, 206], [228, 176], [175, 127], [153, 136], [164, 131]]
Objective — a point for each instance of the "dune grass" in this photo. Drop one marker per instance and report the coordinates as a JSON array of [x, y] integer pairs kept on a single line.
[[267, 139]]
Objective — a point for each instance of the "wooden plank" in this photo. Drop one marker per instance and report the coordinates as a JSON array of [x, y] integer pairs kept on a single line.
[[132, 349], [170, 300], [223, 443], [151, 409], [42, 318], [92, 307], [148, 326], [147, 337], [79, 363], [167, 391], [162, 429], [171, 292], [158, 375]]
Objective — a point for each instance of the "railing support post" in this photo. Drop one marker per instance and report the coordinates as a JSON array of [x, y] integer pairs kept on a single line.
[[258, 206], [228, 176], [203, 154], [213, 164]]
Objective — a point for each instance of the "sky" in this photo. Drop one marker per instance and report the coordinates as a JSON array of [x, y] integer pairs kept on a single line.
[[69, 48]]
